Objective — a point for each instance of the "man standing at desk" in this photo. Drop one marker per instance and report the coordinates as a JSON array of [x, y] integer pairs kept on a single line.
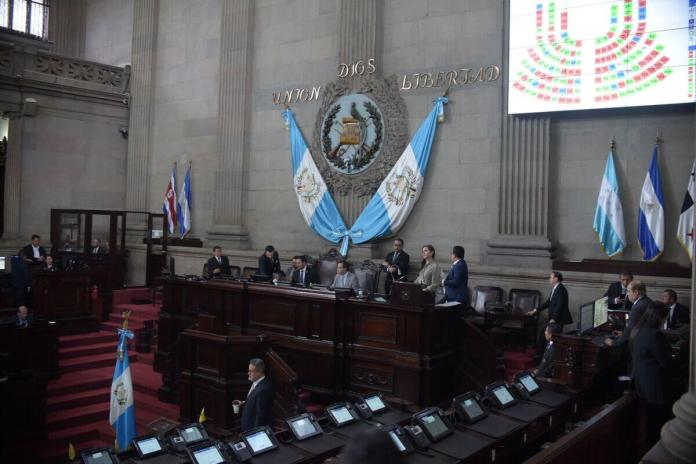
[[218, 265], [637, 296], [396, 263], [34, 253], [557, 303], [456, 284], [617, 292], [269, 263], [257, 408], [344, 278]]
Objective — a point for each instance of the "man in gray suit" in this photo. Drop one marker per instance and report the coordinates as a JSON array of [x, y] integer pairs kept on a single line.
[[344, 278], [637, 295]]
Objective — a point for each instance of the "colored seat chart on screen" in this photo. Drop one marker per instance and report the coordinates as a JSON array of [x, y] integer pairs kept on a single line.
[[583, 54]]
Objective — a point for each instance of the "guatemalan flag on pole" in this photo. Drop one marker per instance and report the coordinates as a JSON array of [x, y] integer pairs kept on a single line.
[[316, 203], [651, 218], [183, 208], [685, 229], [398, 193], [169, 205], [122, 412], [608, 220]]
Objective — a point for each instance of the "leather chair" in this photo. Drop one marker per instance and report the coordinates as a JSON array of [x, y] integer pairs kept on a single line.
[[327, 271], [235, 271], [485, 297], [248, 271], [205, 273], [517, 322]]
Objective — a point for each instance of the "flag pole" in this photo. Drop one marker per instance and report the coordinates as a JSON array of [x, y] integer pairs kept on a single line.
[[612, 144]]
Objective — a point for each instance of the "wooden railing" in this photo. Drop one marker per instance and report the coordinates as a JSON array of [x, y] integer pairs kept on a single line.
[[610, 437]]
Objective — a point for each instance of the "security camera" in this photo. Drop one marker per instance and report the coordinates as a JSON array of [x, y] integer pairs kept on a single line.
[[124, 131]]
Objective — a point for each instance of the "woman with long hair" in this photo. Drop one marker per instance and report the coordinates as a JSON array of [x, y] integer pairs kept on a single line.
[[429, 273], [651, 360]]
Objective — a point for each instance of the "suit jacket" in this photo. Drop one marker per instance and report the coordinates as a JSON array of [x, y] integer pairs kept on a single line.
[[29, 252], [348, 280], [558, 306], [545, 368], [101, 250], [401, 263], [637, 311], [680, 316], [13, 321], [650, 354], [457, 283], [224, 266], [613, 292], [310, 276], [267, 266], [258, 408]]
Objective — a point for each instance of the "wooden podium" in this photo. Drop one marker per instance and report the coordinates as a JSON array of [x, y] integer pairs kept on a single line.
[[410, 294]]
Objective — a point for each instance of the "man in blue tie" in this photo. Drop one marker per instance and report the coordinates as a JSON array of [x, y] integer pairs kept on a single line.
[[19, 320], [456, 283]]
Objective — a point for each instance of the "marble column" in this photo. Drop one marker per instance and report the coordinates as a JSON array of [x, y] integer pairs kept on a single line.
[[359, 38], [13, 180], [523, 207], [236, 73], [67, 28], [145, 18]]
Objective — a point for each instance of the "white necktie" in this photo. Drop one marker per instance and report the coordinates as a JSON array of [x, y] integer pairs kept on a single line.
[[219, 260]]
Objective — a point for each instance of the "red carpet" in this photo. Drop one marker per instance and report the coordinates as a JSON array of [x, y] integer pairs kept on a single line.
[[78, 401]]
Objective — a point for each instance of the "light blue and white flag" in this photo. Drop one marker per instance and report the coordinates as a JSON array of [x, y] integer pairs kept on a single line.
[[651, 218], [398, 193], [122, 412], [608, 220], [316, 203], [183, 208]]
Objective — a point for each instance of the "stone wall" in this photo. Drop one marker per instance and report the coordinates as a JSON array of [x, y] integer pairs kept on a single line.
[[108, 31]]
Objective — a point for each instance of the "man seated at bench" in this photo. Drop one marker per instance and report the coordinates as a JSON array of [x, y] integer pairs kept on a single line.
[[545, 368]]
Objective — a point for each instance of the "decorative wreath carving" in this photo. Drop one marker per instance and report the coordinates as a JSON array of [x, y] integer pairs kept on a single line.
[[389, 116]]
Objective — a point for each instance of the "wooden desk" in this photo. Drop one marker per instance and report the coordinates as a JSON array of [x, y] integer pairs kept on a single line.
[[65, 297], [337, 347]]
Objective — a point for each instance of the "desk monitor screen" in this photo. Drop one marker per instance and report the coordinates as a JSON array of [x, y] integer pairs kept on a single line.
[[341, 415], [208, 455], [586, 322], [375, 403], [304, 427], [191, 434], [259, 442], [147, 446], [601, 311], [435, 426], [2, 263], [472, 409], [100, 456], [529, 384], [503, 395]]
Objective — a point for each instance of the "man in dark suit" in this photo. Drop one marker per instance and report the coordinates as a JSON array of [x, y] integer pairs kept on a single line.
[[19, 319], [269, 264], [97, 247], [456, 284], [302, 274], [396, 263], [678, 313], [637, 296], [557, 303], [257, 409], [218, 265], [545, 368], [617, 291], [34, 253]]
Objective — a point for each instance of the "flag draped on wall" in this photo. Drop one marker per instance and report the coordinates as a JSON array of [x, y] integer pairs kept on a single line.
[[398, 193], [169, 205], [122, 411], [608, 220], [651, 218], [685, 229], [316, 203], [183, 207], [388, 208]]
